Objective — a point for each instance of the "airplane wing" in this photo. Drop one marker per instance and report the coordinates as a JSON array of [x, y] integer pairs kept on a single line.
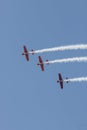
[[61, 84], [42, 67], [27, 57]]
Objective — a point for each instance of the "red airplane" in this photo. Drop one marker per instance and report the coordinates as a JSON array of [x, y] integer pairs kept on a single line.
[[41, 63], [61, 80], [26, 53]]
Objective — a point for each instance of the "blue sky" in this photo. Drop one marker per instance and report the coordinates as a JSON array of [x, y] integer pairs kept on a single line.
[[29, 98]]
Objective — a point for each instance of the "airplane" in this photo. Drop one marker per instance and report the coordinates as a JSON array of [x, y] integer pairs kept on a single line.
[[41, 63], [26, 53], [61, 80]]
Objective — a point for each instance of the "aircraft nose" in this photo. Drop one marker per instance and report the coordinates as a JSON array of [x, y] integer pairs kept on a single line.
[[22, 53]]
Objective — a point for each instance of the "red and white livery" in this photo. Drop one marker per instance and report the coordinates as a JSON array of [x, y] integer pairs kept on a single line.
[[26, 53], [41, 63], [60, 80]]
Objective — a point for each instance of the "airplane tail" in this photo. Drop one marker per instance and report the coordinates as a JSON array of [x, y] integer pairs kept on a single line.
[[67, 80], [47, 61], [32, 51]]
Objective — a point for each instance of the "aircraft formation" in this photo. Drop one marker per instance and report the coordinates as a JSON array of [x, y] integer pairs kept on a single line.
[[41, 63]]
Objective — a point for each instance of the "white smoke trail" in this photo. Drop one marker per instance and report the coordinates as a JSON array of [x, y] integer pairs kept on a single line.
[[62, 48], [74, 59], [79, 79]]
